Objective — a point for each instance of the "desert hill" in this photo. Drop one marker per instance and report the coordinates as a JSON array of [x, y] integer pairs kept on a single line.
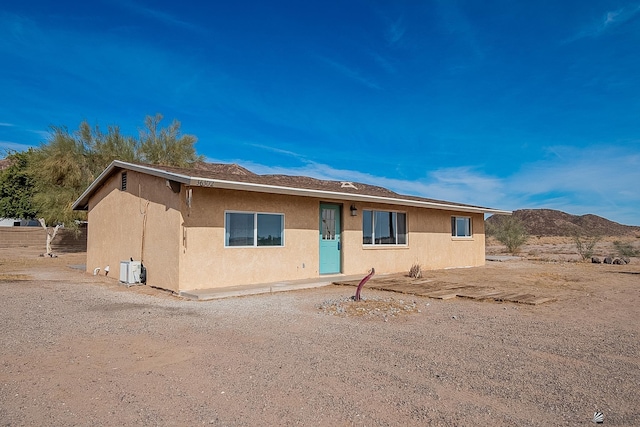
[[549, 222]]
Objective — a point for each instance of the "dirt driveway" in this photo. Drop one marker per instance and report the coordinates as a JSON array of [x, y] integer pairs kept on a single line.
[[82, 350]]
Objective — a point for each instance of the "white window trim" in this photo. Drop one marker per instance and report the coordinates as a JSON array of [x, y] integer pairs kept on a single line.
[[255, 229], [470, 236], [373, 245]]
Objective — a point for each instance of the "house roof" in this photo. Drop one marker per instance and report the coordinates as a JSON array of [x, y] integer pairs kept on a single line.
[[235, 177]]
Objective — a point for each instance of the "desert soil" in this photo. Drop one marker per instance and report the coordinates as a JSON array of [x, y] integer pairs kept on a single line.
[[77, 349]]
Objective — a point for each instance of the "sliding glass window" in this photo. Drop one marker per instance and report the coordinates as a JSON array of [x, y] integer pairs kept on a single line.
[[253, 229], [384, 228]]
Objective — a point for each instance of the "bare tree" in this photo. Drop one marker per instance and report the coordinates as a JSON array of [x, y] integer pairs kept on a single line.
[[585, 244]]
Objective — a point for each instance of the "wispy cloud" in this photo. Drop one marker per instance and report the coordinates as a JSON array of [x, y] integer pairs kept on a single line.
[[166, 74], [44, 134], [8, 146], [14, 137], [589, 180], [276, 150], [18, 33], [607, 22], [395, 31], [452, 19], [598, 180], [348, 72], [163, 17], [619, 16], [602, 169], [383, 62]]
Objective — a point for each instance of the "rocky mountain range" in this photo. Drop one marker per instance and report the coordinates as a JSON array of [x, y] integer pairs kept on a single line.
[[549, 222]]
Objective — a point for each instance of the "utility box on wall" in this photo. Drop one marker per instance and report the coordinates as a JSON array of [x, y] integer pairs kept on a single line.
[[130, 272]]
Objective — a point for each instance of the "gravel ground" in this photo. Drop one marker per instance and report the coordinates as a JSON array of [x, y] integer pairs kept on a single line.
[[82, 350]]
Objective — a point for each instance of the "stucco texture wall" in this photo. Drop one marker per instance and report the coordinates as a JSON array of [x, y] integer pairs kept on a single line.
[[143, 222], [429, 243], [207, 263], [183, 247]]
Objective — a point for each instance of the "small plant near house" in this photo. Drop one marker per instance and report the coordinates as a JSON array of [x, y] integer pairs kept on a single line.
[[511, 232], [415, 271], [625, 249], [585, 245]]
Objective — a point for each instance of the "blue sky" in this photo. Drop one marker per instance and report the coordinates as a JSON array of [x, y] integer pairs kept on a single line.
[[504, 104]]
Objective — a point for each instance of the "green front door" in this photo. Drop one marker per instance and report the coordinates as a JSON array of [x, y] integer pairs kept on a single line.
[[329, 239]]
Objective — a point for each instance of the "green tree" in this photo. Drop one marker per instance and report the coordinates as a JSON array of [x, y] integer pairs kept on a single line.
[[511, 232], [106, 147], [166, 146], [64, 166], [17, 187]]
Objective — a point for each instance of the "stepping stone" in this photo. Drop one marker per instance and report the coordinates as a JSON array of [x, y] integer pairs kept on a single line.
[[505, 296], [520, 297], [422, 282], [476, 293], [533, 300], [444, 291], [444, 294]]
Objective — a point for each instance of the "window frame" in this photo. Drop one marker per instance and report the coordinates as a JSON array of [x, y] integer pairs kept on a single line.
[[454, 227], [373, 243], [255, 236]]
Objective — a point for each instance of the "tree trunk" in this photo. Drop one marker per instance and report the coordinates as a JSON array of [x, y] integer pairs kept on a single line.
[[51, 234]]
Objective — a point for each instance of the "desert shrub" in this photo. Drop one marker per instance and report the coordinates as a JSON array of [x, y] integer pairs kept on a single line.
[[415, 271], [625, 249], [585, 245], [511, 233]]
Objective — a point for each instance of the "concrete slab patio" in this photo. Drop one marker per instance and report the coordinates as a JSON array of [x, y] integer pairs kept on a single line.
[[263, 288], [393, 283]]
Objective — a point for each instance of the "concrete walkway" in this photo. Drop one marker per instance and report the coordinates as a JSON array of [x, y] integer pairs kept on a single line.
[[265, 288]]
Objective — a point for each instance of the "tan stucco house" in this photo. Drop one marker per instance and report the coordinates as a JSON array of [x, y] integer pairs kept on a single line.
[[220, 225]]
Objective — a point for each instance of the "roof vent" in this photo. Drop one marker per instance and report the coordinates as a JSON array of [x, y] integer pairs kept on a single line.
[[348, 184], [173, 185]]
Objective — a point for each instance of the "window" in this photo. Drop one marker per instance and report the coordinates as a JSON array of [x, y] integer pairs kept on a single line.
[[384, 228], [253, 229], [460, 226], [329, 225]]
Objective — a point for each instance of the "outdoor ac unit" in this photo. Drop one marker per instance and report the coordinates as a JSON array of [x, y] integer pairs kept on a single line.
[[130, 272]]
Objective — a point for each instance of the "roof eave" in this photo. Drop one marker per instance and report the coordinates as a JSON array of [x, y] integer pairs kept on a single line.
[[333, 195], [82, 203]]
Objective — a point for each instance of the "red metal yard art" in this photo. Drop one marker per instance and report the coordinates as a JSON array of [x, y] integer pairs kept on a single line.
[[362, 282]]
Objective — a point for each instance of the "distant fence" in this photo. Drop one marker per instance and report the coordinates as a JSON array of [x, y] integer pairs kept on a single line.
[[22, 237]]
